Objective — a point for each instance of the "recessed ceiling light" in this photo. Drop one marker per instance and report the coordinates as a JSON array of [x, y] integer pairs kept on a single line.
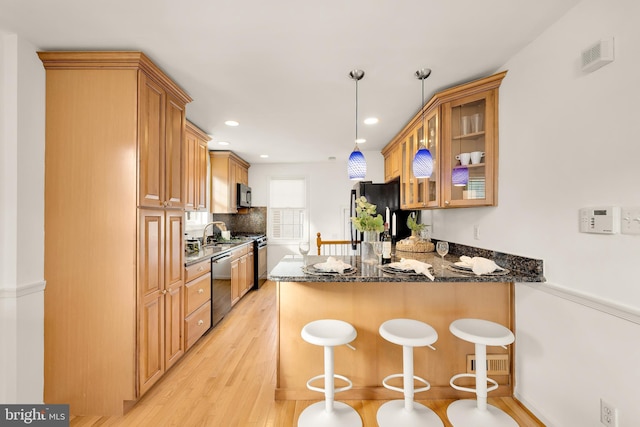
[[332, 157], [231, 123], [264, 156], [223, 143], [371, 121], [361, 140]]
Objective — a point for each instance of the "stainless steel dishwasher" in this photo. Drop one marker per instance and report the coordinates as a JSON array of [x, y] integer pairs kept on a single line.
[[220, 286]]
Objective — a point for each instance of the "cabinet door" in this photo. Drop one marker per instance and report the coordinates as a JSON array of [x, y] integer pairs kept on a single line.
[[429, 188], [151, 137], [249, 268], [174, 288], [190, 170], [201, 174], [470, 150], [175, 124], [235, 281], [151, 362]]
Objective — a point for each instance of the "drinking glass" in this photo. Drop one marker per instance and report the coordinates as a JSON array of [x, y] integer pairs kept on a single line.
[[303, 247], [442, 248]]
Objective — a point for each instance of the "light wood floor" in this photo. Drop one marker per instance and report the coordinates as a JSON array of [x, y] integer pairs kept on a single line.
[[228, 378]]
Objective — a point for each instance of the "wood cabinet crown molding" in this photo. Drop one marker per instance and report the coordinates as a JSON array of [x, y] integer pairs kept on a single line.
[[117, 60], [455, 92]]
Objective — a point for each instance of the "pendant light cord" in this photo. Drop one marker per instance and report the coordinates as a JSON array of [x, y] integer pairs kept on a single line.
[[356, 112]]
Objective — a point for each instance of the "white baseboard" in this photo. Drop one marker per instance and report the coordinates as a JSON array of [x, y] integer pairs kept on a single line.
[[623, 312], [534, 410], [22, 290]]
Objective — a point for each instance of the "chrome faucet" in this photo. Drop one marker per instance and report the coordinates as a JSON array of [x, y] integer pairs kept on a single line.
[[221, 225]]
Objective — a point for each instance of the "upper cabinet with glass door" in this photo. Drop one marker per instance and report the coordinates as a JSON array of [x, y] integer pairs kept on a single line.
[[470, 137], [462, 135]]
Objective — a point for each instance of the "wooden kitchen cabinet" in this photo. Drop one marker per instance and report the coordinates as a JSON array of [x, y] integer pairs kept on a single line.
[[392, 162], [227, 170], [196, 160], [197, 303], [114, 307], [241, 272], [448, 119], [160, 145]]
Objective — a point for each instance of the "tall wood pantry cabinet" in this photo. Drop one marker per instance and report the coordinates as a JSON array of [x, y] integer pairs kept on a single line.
[[114, 212]]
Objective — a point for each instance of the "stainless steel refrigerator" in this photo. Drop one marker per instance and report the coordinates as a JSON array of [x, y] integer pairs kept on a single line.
[[383, 196]]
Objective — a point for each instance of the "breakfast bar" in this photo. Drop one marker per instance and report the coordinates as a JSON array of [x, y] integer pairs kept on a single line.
[[368, 295]]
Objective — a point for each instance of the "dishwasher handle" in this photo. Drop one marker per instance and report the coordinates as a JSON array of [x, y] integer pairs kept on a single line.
[[220, 259]]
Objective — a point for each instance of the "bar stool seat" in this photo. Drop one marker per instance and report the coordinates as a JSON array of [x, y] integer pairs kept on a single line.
[[477, 413], [329, 333], [408, 333]]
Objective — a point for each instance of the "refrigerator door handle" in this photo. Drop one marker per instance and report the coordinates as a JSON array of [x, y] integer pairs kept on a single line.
[[352, 213]]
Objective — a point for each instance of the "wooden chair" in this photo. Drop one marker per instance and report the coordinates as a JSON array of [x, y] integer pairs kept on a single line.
[[335, 247]]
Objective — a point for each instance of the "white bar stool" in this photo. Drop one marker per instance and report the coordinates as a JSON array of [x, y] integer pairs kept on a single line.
[[329, 333], [408, 333], [467, 412]]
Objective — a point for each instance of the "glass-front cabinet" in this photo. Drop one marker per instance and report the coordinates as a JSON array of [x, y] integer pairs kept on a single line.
[[461, 132], [471, 157]]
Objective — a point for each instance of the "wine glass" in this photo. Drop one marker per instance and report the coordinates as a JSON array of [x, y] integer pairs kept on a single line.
[[442, 248], [303, 247]]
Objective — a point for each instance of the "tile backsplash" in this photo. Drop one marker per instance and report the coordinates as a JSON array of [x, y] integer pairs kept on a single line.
[[254, 221]]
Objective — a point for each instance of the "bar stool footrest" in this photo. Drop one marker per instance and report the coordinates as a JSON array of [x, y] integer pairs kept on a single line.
[[401, 390], [335, 390], [469, 389]]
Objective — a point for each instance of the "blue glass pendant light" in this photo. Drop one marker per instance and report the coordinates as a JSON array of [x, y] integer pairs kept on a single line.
[[357, 165], [460, 176], [423, 160]]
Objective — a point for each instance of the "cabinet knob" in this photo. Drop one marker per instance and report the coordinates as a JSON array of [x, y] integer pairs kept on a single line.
[[446, 202], [165, 203], [201, 268], [200, 322], [164, 292], [200, 290]]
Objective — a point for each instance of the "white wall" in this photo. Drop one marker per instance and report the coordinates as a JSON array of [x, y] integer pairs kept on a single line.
[[22, 88], [569, 140], [328, 195]]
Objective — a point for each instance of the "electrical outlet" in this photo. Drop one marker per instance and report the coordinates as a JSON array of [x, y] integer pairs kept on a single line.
[[608, 414], [476, 232]]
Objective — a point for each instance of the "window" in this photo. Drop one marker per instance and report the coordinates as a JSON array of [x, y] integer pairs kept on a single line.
[[288, 208]]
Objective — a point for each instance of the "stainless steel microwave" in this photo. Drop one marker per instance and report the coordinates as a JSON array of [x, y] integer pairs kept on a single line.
[[244, 196]]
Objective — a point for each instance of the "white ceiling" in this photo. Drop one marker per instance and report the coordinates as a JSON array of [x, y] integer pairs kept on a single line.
[[281, 67]]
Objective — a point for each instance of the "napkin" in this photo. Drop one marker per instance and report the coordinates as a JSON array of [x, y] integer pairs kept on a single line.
[[333, 264], [415, 265], [479, 265]]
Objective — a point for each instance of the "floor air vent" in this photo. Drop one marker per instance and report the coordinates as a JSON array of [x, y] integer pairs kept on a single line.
[[497, 364]]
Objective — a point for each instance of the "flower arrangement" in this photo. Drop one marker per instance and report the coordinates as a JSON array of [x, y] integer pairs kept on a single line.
[[413, 224], [366, 218]]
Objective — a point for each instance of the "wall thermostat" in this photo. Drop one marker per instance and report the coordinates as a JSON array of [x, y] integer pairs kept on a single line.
[[600, 220]]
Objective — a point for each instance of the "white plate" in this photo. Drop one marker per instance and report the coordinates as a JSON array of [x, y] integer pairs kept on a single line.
[[322, 266], [399, 266], [462, 265]]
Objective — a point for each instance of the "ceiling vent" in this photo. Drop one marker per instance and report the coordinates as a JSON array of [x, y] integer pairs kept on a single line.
[[597, 55]]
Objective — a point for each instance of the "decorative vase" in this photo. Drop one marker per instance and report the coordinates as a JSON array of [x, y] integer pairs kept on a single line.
[[367, 254]]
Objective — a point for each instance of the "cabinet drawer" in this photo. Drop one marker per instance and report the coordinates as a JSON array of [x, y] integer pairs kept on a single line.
[[198, 292], [197, 324], [197, 270]]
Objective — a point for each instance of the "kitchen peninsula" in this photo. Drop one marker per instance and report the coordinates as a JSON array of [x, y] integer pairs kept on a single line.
[[368, 297]]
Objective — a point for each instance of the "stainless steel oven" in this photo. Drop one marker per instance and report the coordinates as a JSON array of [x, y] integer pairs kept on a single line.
[[220, 286], [260, 261]]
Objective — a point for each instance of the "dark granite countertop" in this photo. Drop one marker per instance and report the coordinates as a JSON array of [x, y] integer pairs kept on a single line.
[[209, 251], [521, 269]]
